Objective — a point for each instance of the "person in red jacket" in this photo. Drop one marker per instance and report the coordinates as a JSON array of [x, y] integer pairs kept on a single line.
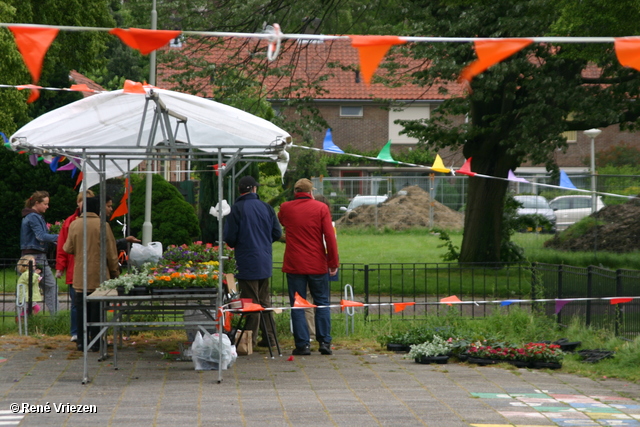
[[65, 262], [308, 227]]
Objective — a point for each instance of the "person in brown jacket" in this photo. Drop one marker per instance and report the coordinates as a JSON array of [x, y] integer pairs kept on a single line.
[[74, 246]]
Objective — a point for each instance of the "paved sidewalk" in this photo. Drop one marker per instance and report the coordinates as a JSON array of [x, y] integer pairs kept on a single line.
[[346, 389]]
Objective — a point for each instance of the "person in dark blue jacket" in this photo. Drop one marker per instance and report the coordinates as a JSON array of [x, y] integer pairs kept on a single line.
[[251, 228]]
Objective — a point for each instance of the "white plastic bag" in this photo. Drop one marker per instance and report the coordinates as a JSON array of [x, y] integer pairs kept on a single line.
[[140, 253], [205, 352]]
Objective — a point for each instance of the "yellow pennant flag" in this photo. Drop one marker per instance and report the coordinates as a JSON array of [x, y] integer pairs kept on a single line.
[[438, 166]]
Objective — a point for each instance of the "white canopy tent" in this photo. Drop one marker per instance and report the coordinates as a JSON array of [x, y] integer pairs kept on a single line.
[[109, 134]]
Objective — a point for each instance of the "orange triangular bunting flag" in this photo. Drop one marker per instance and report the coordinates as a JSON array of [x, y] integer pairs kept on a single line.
[[371, 50], [251, 306], [466, 168], [123, 207], [620, 300], [35, 93], [133, 87], [400, 306], [490, 52], [628, 51], [33, 43], [449, 300], [81, 88], [146, 41], [301, 302], [348, 303], [438, 166], [78, 181]]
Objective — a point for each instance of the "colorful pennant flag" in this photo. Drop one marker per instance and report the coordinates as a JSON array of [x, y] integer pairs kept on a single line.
[[438, 165], [348, 303], [449, 300], [123, 207], [251, 306], [400, 306], [620, 300], [385, 153], [506, 302], [35, 93], [511, 177], [81, 88], [565, 181], [371, 50], [33, 43], [301, 302], [328, 144], [490, 52], [78, 181], [560, 303], [133, 87], [466, 168], [628, 51], [146, 41]]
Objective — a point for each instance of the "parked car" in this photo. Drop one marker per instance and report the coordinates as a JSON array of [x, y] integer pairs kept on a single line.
[[571, 209], [364, 200], [536, 205]]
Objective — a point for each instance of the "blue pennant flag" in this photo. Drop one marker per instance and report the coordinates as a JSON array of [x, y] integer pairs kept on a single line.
[[54, 163], [328, 144], [565, 181]]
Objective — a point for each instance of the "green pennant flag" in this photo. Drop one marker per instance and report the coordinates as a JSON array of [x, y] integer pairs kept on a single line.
[[385, 153]]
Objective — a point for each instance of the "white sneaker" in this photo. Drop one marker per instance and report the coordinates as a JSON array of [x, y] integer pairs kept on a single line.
[[74, 338]]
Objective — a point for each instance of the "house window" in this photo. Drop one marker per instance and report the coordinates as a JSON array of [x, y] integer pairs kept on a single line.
[[351, 111], [571, 135]]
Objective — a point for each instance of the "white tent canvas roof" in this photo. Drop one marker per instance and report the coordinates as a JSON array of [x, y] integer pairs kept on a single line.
[[111, 124]]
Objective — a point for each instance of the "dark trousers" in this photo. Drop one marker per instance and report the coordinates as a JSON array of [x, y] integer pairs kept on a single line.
[[93, 315], [260, 293]]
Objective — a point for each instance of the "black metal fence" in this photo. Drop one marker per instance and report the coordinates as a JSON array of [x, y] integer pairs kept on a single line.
[[559, 290]]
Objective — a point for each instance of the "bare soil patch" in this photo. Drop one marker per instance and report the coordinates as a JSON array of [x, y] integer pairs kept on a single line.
[[409, 208]]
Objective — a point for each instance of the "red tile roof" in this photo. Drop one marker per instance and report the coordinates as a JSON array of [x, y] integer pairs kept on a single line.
[[334, 60]]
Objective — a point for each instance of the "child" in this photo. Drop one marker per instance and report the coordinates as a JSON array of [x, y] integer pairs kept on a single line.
[[23, 283]]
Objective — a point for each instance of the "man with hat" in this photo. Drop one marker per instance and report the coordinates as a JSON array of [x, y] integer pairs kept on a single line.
[[307, 260], [251, 228]]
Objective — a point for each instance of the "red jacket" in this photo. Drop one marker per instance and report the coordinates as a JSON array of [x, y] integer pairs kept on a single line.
[[65, 261], [306, 222]]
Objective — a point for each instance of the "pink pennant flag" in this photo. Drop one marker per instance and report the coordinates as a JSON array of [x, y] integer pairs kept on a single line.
[[512, 177], [560, 303]]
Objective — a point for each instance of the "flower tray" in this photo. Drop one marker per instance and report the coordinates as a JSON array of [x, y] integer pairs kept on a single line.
[[398, 347], [593, 356], [482, 361], [565, 345], [181, 291], [137, 290], [440, 360]]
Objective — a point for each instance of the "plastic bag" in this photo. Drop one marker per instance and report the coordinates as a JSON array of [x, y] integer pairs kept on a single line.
[[140, 253], [205, 352]]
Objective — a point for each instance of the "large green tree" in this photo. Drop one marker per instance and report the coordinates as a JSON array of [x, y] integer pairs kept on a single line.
[[518, 109]]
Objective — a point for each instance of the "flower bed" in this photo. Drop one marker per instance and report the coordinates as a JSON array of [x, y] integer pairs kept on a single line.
[[536, 355]]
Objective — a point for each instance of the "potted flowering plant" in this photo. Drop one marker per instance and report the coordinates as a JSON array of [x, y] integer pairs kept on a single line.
[[535, 355], [134, 282], [437, 350]]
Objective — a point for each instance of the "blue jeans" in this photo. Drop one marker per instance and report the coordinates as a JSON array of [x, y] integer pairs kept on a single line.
[[319, 288]]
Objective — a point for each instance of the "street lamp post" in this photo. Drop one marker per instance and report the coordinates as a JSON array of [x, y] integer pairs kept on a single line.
[[592, 134]]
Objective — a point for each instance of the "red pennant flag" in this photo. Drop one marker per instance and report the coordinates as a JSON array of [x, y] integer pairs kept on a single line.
[[251, 306], [466, 168], [78, 181], [371, 50], [123, 207], [400, 306], [133, 87], [449, 300], [628, 51], [33, 43], [490, 52], [146, 41], [301, 302], [620, 300], [81, 88], [348, 303], [35, 93]]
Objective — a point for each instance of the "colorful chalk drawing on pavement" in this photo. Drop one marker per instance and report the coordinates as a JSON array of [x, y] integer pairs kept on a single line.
[[8, 418], [564, 410]]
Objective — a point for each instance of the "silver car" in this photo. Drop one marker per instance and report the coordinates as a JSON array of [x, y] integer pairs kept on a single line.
[[571, 209], [536, 205]]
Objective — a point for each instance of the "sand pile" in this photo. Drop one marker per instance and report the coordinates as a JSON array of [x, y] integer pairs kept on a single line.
[[408, 209]]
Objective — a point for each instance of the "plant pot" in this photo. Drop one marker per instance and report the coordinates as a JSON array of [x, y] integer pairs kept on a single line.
[[136, 290], [398, 347], [181, 291], [520, 363], [482, 361], [546, 365], [440, 360]]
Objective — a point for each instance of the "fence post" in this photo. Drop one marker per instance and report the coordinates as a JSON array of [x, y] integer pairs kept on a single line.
[[534, 284], [366, 291], [589, 289], [559, 295], [618, 307]]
